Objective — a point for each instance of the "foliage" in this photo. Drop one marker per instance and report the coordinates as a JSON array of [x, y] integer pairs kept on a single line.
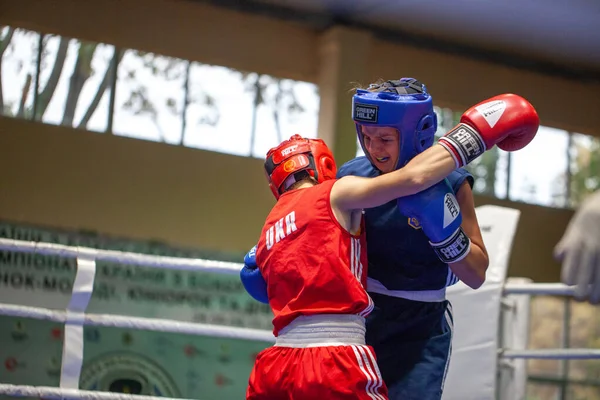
[[585, 169], [276, 94]]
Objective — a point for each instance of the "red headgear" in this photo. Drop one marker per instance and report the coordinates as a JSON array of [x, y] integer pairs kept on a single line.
[[298, 154]]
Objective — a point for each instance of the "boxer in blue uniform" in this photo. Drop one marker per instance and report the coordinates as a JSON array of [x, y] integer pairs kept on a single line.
[[411, 326]]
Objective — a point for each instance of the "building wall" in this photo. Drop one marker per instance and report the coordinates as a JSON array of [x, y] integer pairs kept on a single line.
[[64, 178], [72, 179], [197, 31]]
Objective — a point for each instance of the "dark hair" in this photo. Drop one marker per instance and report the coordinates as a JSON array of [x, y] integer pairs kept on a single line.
[[399, 86]]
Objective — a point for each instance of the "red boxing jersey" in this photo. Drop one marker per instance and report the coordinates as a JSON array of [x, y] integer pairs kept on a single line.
[[311, 264]]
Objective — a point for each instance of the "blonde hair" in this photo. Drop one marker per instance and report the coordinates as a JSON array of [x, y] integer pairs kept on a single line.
[[357, 85], [400, 86]]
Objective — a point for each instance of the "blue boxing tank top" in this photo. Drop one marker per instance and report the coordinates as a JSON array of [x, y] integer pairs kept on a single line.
[[399, 254]]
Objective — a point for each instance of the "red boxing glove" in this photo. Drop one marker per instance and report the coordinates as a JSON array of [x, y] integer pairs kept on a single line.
[[507, 120]]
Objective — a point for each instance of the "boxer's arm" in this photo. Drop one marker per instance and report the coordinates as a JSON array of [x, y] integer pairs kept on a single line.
[[507, 120], [424, 170], [471, 269]]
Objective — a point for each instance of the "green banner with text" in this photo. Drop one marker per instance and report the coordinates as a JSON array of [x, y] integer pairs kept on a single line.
[[126, 360]]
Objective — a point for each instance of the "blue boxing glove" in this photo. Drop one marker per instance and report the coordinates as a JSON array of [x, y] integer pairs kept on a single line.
[[438, 212], [252, 279]]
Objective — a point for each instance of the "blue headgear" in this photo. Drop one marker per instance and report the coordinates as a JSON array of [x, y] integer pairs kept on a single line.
[[403, 104]]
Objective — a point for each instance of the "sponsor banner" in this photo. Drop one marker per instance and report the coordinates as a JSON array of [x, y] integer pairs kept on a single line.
[[129, 361], [125, 360], [46, 281]]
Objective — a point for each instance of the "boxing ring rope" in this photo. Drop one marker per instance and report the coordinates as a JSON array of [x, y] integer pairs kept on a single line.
[[121, 257], [75, 316], [552, 354], [546, 289], [151, 324], [48, 392]]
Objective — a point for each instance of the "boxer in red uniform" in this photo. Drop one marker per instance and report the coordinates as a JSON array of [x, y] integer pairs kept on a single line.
[[312, 255]]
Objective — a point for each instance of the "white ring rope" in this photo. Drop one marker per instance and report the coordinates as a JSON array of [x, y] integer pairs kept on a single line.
[[152, 324], [552, 354], [197, 264], [173, 326], [77, 317], [47, 392], [548, 289], [121, 257]]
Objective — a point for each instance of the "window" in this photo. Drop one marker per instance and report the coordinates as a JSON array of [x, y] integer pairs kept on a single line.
[[584, 167], [126, 92], [538, 172], [154, 97], [246, 113], [19, 49], [149, 101], [74, 78]]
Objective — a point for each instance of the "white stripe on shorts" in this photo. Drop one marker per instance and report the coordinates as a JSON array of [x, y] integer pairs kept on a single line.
[[450, 320], [369, 367]]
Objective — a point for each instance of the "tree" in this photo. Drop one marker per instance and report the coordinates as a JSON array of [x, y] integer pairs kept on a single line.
[[585, 169], [53, 65], [102, 88], [4, 42], [46, 93], [275, 93], [484, 171]]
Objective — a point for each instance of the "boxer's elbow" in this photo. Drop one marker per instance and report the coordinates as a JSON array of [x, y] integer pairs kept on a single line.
[[477, 280], [472, 269], [473, 280], [479, 267]]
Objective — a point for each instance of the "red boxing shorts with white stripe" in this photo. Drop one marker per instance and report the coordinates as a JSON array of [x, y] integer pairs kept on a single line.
[[341, 372]]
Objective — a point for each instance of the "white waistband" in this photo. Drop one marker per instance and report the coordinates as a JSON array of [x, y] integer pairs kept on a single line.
[[431, 296], [323, 330]]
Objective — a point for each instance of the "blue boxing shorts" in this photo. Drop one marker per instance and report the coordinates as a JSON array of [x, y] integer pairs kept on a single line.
[[413, 344]]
